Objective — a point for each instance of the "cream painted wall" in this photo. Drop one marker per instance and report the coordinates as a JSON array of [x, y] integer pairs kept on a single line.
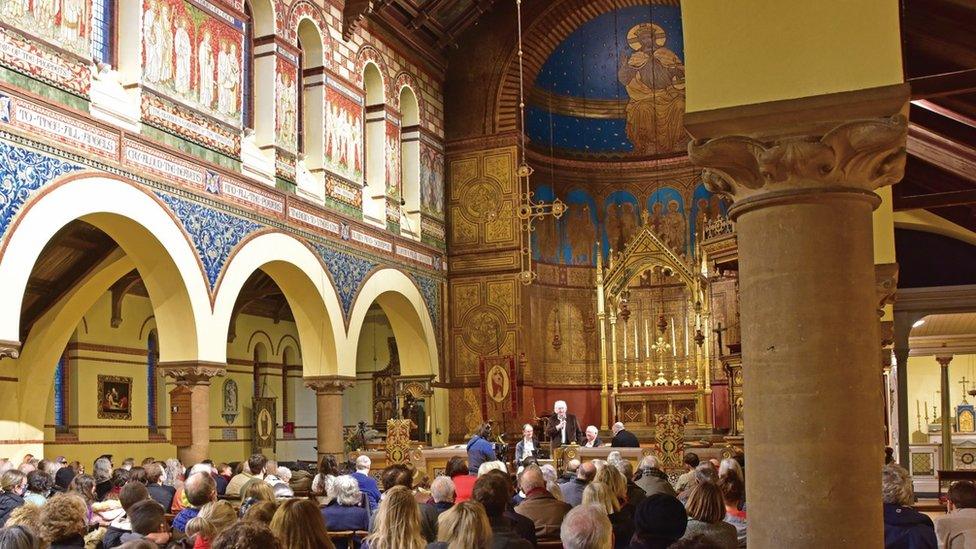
[[924, 381], [753, 51]]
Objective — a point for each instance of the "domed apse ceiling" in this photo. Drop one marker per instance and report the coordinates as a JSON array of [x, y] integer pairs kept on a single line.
[[614, 87]]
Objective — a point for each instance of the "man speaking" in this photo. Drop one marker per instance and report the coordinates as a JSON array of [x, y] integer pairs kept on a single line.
[[563, 428]]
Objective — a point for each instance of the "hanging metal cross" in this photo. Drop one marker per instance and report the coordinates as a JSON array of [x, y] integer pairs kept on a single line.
[[964, 382]]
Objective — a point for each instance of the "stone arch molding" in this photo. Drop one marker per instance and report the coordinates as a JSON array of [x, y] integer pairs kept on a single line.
[[407, 80], [307, 286], [369, 54], [403, 303]]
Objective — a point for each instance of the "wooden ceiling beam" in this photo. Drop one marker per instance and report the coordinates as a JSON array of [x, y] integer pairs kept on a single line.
[[940, 85], [955, 158], [935, 200]]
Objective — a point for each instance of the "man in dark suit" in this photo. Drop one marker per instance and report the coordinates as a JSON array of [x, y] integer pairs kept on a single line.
[[563, 427], [622, 438]]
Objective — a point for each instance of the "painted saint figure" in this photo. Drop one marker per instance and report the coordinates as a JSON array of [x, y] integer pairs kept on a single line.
[[285, 92], [654, 77], [205, 68], [73, 20], [164, 28], [151, 48], [184, 53], [229, 72]]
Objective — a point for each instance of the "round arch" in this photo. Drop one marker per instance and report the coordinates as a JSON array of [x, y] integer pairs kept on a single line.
[[398, 296], [307, 288]]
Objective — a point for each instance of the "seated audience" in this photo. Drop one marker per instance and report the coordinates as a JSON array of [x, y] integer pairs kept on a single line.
[[84, 486], [602, 496], [224, 474], [587, 527], [523, 525], [492, 466], [457, 469], [659, 521], [13, 484], [401, 475], [572, 466], [653, 480], [277, 478], [247, 535], [635, 494], [904, 527], [63, 521], [39, 485], [262, 511], [706, 514], [119, 478], [322, 483], [346, 511], [442, 494], [28, 515], [162, 493], [63, 478], [464, 526], [686, 480], [174, 473], [297, 524], [146, 520], [493, 491], [544, 510], [254, 493], [957, 529], [397, 523], [573, 491], [131, 494], [253, 470], [732, 489], [200, 490], [102, 471], [138, 474], [213, 518], [367, 484], [20, 537], [703, 473]]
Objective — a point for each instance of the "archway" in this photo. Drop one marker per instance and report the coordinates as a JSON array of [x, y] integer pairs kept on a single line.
[[374, 193], [120, 230]]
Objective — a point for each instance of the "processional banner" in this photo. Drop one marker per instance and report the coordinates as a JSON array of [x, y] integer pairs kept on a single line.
[[499, 390]]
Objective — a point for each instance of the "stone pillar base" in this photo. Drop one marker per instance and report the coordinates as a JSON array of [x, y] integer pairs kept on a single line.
[[328, 407]]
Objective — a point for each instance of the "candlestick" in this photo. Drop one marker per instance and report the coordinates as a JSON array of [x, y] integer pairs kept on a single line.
[[686, 339], [636, 344], [674, 348], [625, 344], [647, 341]]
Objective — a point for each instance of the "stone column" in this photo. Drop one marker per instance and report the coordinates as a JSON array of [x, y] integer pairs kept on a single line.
[[803, 206], [196, 377], [946, 413], [328, 407]]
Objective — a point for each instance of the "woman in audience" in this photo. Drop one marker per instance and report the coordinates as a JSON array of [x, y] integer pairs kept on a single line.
[[13, 483], [102, 471], [84, 486], [904, 527], [733, 490], [730, 466], [492, 466], [39, 486], [63, 521], [706, 514], [397, 522], [118, 479], [322, 483], [247, 535], [463, 526], [214, 518], [138, 474], [28, 515], [262, 511], [298, 525], [257, 491], [19, 537], [63, 478], [346, 511], [457, 469], [603, 496]]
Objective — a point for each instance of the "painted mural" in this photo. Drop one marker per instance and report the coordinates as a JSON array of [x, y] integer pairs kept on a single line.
[[621, 218], [431, 181], [581, 224], [666, 214], [193, 57], [64, 23], [614, 86], [344, 133], [286, 105], [392, 159]]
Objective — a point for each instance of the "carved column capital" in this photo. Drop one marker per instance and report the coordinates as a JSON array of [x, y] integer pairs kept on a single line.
[[9, 349], [858, 156], [329, 385], [192, 372], [943, 360]]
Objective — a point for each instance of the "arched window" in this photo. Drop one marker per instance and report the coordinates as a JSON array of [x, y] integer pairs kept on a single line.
[[152, 360], [374, 193], [259, 360], [61, 390], [103, 32], [410, 163], [311, 107], [247, 91]]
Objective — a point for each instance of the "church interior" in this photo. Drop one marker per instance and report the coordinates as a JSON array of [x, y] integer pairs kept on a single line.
[[317, 229]]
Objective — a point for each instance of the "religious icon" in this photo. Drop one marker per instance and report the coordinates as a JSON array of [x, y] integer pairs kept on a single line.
[[654, 77], [498, 383], [230, 408], [114, 397]]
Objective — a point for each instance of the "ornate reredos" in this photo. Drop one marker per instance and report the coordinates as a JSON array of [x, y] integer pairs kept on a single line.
[[644, 252]]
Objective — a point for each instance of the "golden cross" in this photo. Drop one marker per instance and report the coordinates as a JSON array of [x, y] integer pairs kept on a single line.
[[964, 382]]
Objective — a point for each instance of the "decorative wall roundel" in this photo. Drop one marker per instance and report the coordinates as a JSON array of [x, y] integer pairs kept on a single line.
[[483, 331], [481, 201]]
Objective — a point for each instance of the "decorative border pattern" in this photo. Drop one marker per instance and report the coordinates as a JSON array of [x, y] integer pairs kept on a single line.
[[21, 173], [40, 62], [214, 233], [167, 116], [348, 273], [430, 290]]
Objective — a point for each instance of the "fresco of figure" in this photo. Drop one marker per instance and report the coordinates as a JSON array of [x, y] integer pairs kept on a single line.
[[229, 72], [547, 238], [153, 58], [205, 68], [675, 227], [286, 101], [184, 54], [581, 234], [654, 78], [164, 28], [621, 223], [74, 18]]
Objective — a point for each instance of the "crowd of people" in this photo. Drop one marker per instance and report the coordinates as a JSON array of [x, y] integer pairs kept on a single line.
[[598, 504]]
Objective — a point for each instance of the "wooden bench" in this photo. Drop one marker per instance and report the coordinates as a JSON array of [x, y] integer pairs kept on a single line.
[[953, 476]]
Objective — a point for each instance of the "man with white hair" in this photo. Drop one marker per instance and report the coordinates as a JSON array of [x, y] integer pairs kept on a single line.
[[527, 446], [278, 478], [367, 484], [545, 511], [653, 480], [592, 437], [622, 438], [442, 492], [563, 427], [586, 527]]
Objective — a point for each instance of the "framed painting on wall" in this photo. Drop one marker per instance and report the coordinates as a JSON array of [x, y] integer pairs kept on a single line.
[[114, 397]]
